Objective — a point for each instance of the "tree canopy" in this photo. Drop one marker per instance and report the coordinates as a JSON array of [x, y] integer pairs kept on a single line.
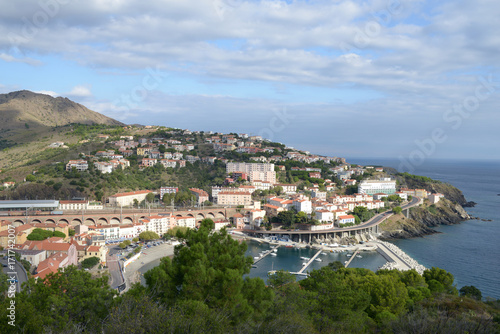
[[209, 268], [41, 234], [148, 235]]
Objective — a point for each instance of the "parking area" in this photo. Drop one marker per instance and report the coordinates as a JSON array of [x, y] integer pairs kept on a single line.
[[150, 258]]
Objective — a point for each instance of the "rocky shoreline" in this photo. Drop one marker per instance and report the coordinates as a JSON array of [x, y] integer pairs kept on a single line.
[[422, 220]]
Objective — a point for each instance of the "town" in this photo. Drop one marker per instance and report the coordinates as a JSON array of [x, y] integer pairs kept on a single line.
[[266, 187]]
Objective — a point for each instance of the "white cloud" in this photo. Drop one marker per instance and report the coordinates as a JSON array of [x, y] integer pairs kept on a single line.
[[420, 58], [80, 91], [48, 92], [26, 60]]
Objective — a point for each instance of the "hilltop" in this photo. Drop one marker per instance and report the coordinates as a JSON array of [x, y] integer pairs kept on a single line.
[[29, 122], [26, 110]]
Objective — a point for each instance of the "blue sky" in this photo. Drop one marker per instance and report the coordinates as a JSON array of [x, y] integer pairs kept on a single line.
[[404, 79]]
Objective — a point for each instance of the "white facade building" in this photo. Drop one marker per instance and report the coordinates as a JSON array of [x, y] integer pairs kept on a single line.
[[371, 187], [303, 205], [185, 222], [158, 224], [127, 199]]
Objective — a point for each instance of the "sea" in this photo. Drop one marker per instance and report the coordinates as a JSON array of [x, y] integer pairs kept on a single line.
[[469, 250]]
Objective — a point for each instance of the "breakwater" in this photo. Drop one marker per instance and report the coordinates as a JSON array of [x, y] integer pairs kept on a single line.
[[397, 259]]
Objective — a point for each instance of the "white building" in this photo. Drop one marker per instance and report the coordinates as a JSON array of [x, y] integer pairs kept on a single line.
[[73, 205], [158, 224], [324, 216], [303, 205], [319, 194], [347, 219], [434, 198], [185, 222], [233, 167], [261, 185], [234, 198], [80, 165], [268, 176], [103, 167], [402, 195], [109, 231], [168, 190], [288, 189], [127, 199], [371, 187]]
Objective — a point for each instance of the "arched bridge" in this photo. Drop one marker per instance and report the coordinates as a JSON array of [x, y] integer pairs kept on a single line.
[[116, 218]]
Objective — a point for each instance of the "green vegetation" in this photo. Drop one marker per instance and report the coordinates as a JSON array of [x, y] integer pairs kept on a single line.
[[471, 291], [148, 235], [40, 234], [396, 210], [363, 213], [181, 198], [419, 178], [394, 198], [88, 131], [26, 264], [60, 303], [90, 262], [5, 143], [432, 209], [290, 218], [202, 290], [173, 232]]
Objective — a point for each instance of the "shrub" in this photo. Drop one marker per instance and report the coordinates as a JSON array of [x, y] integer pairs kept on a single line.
[[90, 262]]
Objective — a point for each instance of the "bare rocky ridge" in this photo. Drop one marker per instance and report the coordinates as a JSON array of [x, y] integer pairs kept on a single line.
[[21, 108]]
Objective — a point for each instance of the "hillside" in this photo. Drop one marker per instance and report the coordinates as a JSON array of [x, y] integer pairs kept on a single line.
[[24, 109]]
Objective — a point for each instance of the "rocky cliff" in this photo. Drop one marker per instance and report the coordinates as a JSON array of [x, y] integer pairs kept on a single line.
[[422, 219]]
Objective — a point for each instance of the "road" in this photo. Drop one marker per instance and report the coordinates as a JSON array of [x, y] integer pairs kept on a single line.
[[17, 271], [370, 223], [381, 217], [114, 270]]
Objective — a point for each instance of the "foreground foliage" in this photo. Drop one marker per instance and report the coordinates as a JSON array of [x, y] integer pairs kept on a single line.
[[204, 289]]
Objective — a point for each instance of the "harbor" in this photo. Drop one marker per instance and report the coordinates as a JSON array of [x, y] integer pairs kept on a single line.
[[300, 259]]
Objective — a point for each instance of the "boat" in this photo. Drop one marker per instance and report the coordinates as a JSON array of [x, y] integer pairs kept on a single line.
[[275, 250], [256, 257], [272, 271], [274, 254], [318, 259], [323, 253], [303, 263], [359, 256], [349, 255], [303, 258], [288, 246]]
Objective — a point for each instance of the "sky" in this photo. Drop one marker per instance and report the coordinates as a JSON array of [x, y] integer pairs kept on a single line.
[[405, 79]]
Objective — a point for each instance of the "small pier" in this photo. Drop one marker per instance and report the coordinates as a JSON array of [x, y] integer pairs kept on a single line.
[[352, 257], [301, 272], [265, 254]]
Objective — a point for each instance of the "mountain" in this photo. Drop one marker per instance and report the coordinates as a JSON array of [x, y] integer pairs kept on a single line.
[[22, 109]]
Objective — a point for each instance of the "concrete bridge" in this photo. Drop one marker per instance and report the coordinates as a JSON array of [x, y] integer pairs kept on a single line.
[[359, 232], [116, 216]]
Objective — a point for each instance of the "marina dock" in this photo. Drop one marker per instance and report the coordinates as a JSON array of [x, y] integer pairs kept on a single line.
[[255, 261], [352, 257], [301, 272]]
